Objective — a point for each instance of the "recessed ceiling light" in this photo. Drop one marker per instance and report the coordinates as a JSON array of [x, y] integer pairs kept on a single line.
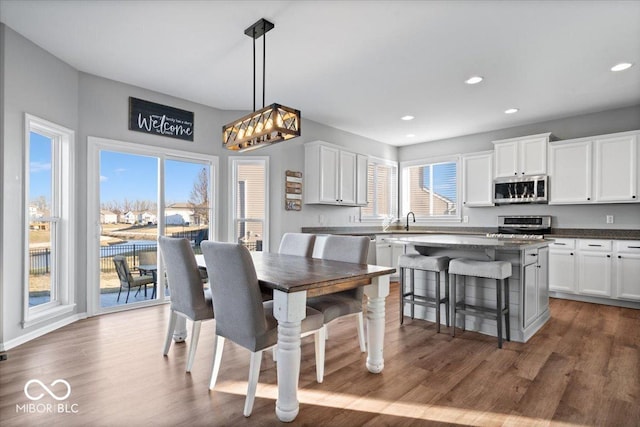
[[511, 110], [621, 66], [407, 118], [473, 80], [410, 135]]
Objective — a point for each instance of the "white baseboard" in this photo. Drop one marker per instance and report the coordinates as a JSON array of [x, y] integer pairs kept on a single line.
[[7, 345]]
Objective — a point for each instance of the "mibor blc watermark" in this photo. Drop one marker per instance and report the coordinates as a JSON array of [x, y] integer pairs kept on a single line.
[[59, 390]]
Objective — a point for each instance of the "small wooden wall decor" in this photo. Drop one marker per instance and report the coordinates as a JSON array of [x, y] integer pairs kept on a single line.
[[293, 191], [149, 117]]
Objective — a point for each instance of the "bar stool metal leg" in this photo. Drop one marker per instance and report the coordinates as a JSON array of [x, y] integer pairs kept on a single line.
[[437, 278], [499, 311], [507, 310], [413, 290], [452, 303]]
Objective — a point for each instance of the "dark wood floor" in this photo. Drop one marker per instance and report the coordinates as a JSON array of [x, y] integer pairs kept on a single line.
[[582, 368]]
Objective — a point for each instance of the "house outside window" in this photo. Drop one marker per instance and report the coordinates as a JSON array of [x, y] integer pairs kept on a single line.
[[430, 189], [249, 178]]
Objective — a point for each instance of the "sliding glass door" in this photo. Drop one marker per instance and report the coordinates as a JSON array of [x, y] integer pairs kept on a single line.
[[143, 192]]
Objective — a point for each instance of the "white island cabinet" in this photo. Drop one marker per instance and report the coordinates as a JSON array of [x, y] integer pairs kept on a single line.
[[528, 285]]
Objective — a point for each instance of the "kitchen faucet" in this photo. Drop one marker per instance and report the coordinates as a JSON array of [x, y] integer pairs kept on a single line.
[[414, 220]]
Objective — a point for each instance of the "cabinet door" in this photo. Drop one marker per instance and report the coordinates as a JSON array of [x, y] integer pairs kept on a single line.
[[530, 297], [562, 270], [628, 276], [616, 168], [329, 162], [533, 156], [506, 156], [347, 186], [595, 273], [570, 173], [543, 280], [383, 254], [477, 180], [362, 179]]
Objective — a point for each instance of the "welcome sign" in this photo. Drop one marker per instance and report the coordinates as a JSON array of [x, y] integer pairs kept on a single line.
[[149, 117]]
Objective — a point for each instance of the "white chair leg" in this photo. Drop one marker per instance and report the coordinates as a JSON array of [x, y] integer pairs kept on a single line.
[[171, 327], [217, 358], [274, 353], [254, 373], [195, 335], [320, 346], [326, 332], [360, 326]]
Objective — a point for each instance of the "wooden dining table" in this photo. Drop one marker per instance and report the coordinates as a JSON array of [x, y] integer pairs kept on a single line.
[[293, 279]]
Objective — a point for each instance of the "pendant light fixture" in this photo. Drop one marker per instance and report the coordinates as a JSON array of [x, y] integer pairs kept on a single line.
[[269, 125]]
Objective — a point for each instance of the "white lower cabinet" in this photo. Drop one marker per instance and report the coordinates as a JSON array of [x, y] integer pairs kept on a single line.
[[627, 263], [604, 269], [594, 261], [562, 265], [387, 253]]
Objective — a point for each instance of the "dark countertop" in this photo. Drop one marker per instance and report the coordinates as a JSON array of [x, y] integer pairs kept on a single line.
[[565, 233], [469, 242]]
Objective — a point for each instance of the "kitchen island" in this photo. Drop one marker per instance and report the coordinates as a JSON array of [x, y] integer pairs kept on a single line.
[[528, 285]]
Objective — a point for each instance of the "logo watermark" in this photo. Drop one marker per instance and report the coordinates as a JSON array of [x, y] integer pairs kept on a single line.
[[36, 390]]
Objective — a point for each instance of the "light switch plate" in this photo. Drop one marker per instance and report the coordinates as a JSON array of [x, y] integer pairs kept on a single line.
[[609, 219]]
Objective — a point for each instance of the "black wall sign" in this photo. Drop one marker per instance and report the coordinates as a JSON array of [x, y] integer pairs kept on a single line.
[[149, 117]]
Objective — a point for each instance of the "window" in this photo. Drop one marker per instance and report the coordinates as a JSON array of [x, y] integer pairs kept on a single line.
[[49, 253], [382, 188], [250, 201], [430, 189]]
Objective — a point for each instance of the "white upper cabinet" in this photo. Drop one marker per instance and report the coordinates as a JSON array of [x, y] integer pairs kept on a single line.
[[477, 176], [334, 176], [521, 156], [616, 169], [602, 169], [570, 172]]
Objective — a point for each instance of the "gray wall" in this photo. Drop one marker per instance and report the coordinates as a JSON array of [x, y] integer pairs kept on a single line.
[[627, 216], [37, 83]]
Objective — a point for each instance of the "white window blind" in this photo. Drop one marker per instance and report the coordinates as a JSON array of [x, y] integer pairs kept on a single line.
[[431, 190], [382, 190]]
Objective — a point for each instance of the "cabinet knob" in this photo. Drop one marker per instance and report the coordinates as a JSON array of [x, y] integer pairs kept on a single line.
[[515, 173], [619, 256], [588, 198], [571, 254], [522, 173], [608, 256], [633, 197]]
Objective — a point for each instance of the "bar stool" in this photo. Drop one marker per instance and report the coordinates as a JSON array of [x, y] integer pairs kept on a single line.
[[499, 270], [437, 264]]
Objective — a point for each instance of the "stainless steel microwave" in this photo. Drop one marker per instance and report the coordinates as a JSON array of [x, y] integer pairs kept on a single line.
[[522, 189]]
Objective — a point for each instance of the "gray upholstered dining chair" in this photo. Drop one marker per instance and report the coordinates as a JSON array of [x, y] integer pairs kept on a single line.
[[300, 244], [243, 317], [188, 297], [127, 281], [346, 303]]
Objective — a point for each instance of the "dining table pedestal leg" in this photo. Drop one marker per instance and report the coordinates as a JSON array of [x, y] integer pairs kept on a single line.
[[376, 293], [289, 309]]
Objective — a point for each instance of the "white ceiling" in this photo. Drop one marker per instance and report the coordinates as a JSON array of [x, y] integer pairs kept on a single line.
[[359, 65]]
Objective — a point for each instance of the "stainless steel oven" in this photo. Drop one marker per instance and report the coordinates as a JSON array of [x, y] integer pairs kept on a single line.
[[522, 189]]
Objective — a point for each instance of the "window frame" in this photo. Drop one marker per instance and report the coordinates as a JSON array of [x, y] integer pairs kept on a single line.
[[234, 161], [61, 217], [394, 192], [405, 186]]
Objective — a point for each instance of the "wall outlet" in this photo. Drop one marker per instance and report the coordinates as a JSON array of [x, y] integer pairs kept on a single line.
[[609, 219], [465, 218]]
